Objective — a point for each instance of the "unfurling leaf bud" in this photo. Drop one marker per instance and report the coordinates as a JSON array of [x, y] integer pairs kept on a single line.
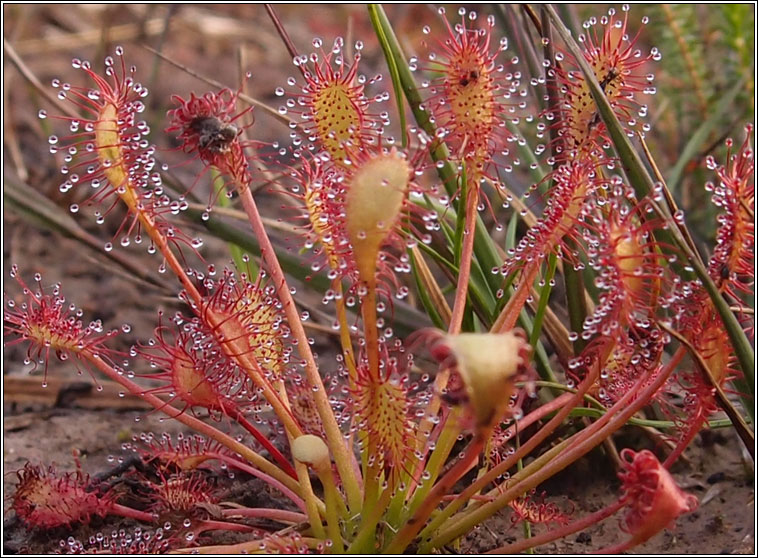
[[312, 451]]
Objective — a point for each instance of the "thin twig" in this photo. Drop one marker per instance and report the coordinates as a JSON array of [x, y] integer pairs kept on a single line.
[[11, 138], [31, 78], [247, 98], [284, 35], [670, 201], [73, 41]]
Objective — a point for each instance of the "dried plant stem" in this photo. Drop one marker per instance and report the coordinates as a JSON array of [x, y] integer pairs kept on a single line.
[[247, 547], [274, 514], [247, 98], [282, 33], [681, 42], [65, 108], [210, 525]]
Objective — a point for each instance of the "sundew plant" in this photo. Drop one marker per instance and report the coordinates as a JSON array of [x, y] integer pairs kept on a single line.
[[473, 179]]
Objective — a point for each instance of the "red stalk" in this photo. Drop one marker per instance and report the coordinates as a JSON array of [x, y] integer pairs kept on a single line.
[[126, 511], [464, 271], [266, 443], [331, 428], [583, 444], [273, 474]]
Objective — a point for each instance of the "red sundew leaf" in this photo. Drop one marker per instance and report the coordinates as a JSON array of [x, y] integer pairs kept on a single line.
[[45, 498], [732, 264], [50, 327], [338, 115], [475, 96], [107, 148], [651, 494], [617, 65], [537, 510]]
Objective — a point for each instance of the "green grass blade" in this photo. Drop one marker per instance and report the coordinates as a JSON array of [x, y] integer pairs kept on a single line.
[[702, 134], [394, 73]]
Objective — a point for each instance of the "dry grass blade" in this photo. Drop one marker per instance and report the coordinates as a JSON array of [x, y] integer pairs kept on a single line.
[[432, 287], [31, 78], [28, 390], [275, 224], [72, 41], [11, 138], [670, 201], [37, 208]]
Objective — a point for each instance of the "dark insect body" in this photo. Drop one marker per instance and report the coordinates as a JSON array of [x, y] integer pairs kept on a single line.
[[214, 135]]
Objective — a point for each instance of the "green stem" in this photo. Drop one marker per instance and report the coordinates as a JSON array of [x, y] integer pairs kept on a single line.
[[524, 450], [335, 507], [576, 302], [311, 509], [365, 541], [539, 315], [443, 487], [442, 448]]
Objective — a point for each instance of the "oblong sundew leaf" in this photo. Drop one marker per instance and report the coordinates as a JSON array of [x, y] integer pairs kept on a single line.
[[643, 185]]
